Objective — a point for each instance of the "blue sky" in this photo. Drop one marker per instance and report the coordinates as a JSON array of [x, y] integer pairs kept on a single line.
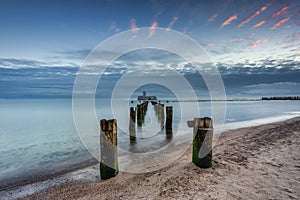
[[255, 44]]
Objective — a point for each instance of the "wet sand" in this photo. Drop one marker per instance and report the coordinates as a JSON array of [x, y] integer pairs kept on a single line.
[[261, 162]]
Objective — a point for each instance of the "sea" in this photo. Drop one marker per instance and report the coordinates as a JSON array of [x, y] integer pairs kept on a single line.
[[39, 137]]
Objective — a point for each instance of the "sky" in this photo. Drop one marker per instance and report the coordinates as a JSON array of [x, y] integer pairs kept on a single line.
[[255, 44]]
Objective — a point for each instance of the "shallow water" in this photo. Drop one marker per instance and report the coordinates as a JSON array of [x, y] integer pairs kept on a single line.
[[39, 136]]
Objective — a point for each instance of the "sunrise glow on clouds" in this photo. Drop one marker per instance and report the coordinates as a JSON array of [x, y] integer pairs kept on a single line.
[[228, 21], [234, 33], [224, 23]]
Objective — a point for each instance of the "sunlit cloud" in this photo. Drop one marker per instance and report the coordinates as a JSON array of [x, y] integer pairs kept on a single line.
[[280, 22], [228, 21], [277, 13], [256, 42], [152, 29], [209, 44], [172, 23], [259, 24], [253, 15], [213, 17], [133, 26]]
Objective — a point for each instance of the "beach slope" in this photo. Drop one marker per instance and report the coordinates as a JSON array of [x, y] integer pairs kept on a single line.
[[261, 162]]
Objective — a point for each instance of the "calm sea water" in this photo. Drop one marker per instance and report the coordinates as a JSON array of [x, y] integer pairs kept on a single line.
[[39, 136]]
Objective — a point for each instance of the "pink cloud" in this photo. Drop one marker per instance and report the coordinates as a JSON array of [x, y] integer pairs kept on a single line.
[[133, 26], [279, 12], [228, 21], [253, 15], [280, 22], [213, 17], [259, 24], [256, 42], [152, 29], [172, 23]]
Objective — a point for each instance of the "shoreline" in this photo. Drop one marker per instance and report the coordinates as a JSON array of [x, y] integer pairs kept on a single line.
[[40, 177], [79, 177]]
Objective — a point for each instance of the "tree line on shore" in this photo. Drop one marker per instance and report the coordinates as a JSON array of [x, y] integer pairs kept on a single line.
[[281, 98]]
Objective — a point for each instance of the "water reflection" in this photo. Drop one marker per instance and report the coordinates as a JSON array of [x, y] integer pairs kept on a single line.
[[147, 127]]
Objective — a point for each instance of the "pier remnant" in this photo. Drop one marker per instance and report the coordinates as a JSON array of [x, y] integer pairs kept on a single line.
[[109, 150], [161, 111], [141, 112], [132, 124], [169, 119], [202, 142]]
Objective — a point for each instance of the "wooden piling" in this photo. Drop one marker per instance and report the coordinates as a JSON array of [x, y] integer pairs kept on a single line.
[[132, 124], [141, 112], [169, 117], [109, 149], [202, 142], [162, 115], [139, 115]]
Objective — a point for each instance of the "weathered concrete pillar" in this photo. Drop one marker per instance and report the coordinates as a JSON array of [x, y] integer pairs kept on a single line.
[[109, 149], [132, 124], [202, 142]]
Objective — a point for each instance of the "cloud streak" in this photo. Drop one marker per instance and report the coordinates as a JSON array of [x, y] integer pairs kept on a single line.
[[152, 29], [133, 26], [228, 21], [280, 22], [172, 23], [277, 13], [262, 9], [256, 42], [259, 24], [213, 17]]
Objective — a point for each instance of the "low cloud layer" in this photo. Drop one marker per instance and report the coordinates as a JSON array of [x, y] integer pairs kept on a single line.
[[32, 79]]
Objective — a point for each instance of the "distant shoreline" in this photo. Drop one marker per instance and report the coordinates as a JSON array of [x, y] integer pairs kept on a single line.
[[227, 100], [293, 98]]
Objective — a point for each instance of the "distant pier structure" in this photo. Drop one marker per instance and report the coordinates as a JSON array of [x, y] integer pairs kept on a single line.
[[144, 97]]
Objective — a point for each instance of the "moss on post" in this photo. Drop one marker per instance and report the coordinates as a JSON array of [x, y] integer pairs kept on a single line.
[[109, 150], [202, 142]]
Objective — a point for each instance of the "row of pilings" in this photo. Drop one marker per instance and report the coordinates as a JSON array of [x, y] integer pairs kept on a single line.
[[202, 137], [136, 115], [141, 112], [159, 112]]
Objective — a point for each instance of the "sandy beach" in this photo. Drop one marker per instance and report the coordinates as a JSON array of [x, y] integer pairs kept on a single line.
[[261, 162]]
